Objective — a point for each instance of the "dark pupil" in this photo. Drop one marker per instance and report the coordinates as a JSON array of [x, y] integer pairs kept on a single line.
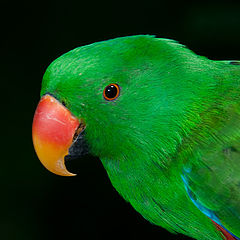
[[111, 91]]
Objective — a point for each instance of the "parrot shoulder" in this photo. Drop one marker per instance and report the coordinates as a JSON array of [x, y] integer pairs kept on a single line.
[[211, 178]]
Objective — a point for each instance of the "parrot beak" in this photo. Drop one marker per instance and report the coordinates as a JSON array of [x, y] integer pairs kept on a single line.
[[54, 130]]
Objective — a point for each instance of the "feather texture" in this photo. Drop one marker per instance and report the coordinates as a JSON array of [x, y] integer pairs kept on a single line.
[[226, 234], [175, 125]]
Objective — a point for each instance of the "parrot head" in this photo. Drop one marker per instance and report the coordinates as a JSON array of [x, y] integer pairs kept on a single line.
[[140, 104], [116, 99]]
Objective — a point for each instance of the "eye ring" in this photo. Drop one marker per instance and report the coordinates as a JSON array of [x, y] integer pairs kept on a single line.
[[111, 91]]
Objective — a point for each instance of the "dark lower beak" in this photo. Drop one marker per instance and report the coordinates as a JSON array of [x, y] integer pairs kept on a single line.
[[79, 148]]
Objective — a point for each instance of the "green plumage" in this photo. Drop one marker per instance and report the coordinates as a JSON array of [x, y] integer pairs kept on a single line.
[[176, 120]]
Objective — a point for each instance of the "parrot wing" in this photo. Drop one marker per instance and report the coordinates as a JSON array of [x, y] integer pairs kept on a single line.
[[212, 179]]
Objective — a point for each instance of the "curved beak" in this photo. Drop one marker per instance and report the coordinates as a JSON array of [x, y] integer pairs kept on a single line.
[[53, 132]]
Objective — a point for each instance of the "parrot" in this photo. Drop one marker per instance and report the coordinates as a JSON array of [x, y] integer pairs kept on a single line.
[[164, 122]]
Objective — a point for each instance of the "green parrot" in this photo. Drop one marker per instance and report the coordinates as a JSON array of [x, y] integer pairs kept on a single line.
[[163, 121]]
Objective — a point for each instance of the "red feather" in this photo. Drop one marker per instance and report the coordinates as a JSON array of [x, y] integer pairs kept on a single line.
[[226, 234]]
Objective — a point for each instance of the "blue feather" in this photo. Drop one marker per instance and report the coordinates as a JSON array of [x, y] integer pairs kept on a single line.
[[206, 211]]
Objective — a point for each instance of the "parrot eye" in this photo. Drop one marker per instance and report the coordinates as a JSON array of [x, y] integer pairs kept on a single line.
[[111, 92]]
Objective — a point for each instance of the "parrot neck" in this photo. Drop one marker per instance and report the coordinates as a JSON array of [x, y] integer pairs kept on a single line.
[[158, 194]]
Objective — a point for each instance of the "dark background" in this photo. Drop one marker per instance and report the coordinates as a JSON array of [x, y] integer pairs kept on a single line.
[[35, 204]]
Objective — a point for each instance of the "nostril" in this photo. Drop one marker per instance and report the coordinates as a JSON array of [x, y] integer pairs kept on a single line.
[[63, 103]]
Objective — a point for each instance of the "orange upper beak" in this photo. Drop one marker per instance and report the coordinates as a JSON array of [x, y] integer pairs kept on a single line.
[[53, 130]]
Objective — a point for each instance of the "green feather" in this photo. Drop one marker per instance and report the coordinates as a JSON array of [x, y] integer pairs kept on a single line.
[[176, 110]]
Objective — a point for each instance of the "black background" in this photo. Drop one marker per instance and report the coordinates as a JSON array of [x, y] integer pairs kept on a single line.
[[35, 204]]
